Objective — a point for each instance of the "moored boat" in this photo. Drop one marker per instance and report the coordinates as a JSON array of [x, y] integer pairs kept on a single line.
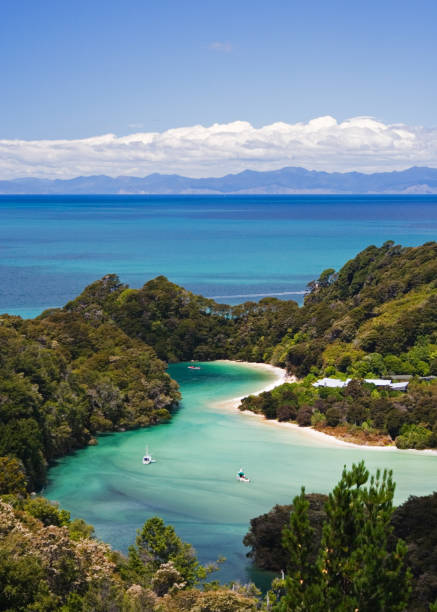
[[147, 459]]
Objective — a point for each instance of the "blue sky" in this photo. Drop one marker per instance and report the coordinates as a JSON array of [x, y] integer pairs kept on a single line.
[[286, 82], [72, 69]]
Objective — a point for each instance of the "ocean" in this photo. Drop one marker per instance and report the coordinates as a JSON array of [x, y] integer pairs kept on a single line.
[[232, 248]]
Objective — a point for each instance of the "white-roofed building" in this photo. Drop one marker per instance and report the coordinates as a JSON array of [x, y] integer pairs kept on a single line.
[[332, 383], [399, 386], [336, 383], [378, 382]]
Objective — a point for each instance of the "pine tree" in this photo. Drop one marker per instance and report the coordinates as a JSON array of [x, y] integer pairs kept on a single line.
[[360, 567], [301, 581]]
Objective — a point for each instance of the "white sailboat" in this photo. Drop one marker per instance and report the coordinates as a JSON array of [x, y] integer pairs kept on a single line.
[[147, 459]]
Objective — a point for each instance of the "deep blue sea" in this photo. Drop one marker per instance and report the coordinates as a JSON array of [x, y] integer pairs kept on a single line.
[[232, 248]]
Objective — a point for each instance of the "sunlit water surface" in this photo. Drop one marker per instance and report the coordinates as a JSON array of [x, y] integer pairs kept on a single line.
[[232, 248]]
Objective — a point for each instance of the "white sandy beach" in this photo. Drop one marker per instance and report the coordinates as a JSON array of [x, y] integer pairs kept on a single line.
[[281, 377]]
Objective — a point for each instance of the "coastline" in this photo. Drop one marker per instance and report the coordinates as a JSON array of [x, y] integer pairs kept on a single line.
[[310, 433], [281, 377]]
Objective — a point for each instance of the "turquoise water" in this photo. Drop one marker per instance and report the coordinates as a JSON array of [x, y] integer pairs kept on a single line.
[[193, 484], [229, 247]]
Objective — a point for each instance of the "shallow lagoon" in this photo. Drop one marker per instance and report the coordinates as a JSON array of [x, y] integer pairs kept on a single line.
[[193, 484]]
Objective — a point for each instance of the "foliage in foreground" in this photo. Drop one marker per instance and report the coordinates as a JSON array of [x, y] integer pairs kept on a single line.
[[359, 565], [415, 522], [49, 562], [265, 534]]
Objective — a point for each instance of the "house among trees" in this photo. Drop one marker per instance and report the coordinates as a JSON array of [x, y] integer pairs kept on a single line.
[[378, 382]]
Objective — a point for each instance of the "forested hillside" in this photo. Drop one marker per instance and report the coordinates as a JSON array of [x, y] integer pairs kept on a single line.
[[181, 326], [376, 316], [65, 377], [98, 364]]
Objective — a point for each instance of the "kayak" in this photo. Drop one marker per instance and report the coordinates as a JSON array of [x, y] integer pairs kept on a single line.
[[241, 476]]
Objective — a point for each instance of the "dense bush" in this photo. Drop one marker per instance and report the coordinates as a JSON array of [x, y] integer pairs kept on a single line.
[[340, 552], [414, 521], [67, 376], [181, 326], [409, 418], [265, 534], [48, 563], [376, 317]]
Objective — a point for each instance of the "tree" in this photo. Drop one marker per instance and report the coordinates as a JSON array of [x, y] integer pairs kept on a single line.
[[12, 476], [304, 416], [265, 534], [415, 521], [360, 565], [47, 512], [326, 277], [158, 544], [302, 582], [22, 585]]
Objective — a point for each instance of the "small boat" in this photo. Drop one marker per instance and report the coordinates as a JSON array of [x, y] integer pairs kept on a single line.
[[194, 367], [147, 459], [241, 476]]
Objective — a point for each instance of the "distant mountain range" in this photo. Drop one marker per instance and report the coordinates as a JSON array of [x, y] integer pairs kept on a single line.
[[290, 180]]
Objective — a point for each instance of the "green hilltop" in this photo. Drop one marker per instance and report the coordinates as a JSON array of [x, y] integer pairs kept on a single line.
[[374, 319]]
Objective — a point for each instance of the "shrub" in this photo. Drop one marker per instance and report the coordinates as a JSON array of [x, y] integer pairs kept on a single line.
[[414, 436]]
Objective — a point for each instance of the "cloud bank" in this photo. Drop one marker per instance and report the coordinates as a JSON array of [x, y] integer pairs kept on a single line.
[[359, 143]]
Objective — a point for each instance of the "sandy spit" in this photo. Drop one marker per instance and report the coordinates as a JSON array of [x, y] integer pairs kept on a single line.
[[281, 377]]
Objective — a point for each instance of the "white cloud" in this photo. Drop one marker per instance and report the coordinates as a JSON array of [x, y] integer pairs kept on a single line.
[[223, 47], [359, 143]]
